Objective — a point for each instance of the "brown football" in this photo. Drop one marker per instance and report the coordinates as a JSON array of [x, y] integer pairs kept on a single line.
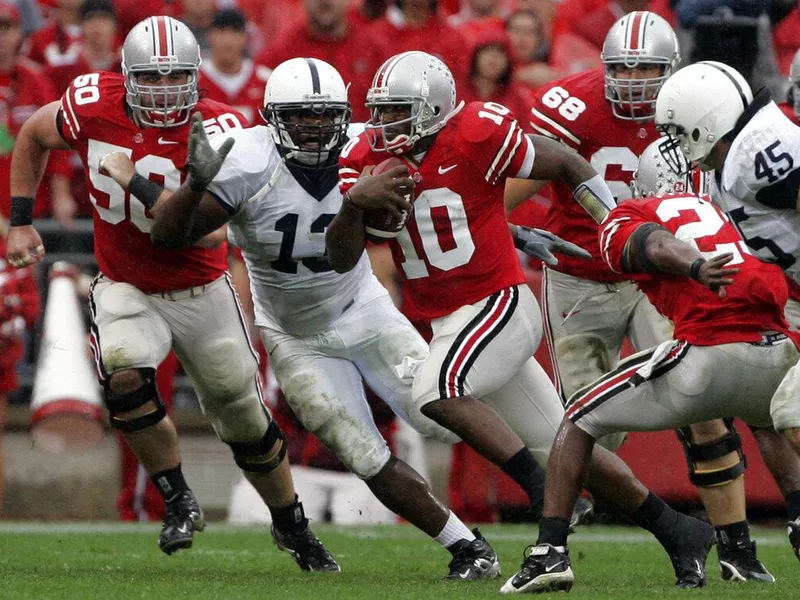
[[381, 224]]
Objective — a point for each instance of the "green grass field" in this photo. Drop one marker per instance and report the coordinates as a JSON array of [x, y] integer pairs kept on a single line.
[[120, 561]]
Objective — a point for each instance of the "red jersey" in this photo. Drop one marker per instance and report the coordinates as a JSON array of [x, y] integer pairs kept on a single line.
[[456, 248], [753, 304], [55, 45], [94, 120], [23, 90], [243, 91], [356, 56], [575, 111]]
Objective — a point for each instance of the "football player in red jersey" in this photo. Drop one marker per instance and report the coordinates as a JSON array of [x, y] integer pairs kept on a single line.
[[731, 349], [147, 300], [607, 116], [457, 257]]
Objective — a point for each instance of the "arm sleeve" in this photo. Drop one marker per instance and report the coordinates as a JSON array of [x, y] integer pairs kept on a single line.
[[495, 142], [617, 230], [352, 161]]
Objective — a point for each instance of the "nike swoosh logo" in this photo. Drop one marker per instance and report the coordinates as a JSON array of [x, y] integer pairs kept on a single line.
[[551, 567], [164, 141], [446, 170]]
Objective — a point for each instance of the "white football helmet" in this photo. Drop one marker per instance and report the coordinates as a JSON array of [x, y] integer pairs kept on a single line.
[[638, 39], [161, 45], [794, 79], [698, 106], [422, 84], [305, 102], [655, 177]]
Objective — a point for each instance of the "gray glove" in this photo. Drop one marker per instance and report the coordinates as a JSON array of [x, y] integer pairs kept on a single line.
[[204, 162], [538, 243]]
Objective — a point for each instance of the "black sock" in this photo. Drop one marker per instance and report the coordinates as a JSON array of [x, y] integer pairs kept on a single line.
[[289, 518], [524, 469], [793, 505], [656, 517], [732, 533], [553, 531], [170, 483]]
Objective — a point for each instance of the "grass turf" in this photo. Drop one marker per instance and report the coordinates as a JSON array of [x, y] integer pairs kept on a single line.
[[120, 561]]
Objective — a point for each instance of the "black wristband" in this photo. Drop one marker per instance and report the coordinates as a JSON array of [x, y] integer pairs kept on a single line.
[[519, 243], [145, 190], [694, 269], [21, 211]]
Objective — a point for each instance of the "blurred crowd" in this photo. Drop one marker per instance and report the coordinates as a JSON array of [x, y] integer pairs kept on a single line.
[[498, 50]]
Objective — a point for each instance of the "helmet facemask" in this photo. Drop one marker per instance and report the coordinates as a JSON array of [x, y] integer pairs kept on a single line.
[[161, 105], [634, 98], [307, 133]]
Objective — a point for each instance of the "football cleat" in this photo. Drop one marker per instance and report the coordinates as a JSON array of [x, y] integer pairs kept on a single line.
[[793, 529], [544, 569], [582, 514], [688, 549], [306, 550], [738, 562], [184, 517], [474, 559]]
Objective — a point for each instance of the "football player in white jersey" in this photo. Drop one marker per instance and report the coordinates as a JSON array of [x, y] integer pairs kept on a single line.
[[712, 117], [326, 333]]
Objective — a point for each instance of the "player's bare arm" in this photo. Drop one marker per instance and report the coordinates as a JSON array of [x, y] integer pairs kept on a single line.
[[345, 238], [32, 147], [653, 249], [518, 191], [556, 161], [191, 212]]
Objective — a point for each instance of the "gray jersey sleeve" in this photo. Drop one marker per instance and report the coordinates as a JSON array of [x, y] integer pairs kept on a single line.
[[246, 168]]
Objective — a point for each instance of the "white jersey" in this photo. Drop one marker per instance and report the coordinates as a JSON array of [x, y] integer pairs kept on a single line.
[[758, 185], [280, 228]]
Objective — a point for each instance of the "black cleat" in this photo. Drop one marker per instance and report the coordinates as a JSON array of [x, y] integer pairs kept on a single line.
[[688, 549], [544, 569], [472, 560], [184, 517], [738, 562], [582, 514], [793, 529], [306, 549]]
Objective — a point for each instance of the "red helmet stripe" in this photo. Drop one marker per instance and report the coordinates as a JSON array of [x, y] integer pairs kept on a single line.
[[635, 30], [163, 46]]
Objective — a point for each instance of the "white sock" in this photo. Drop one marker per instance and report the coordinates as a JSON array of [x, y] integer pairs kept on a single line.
[[453, 531]]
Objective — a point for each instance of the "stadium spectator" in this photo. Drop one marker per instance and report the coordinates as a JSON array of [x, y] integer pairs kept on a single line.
[[57, 44], [130, 12], [416, 25], [24, 87], [529, 48], [226, 75], [19, 310], [272, 19], [198, 14], [786, 36], [367, 12], [491, 76], [326, 34], [98, 48], [479, 16]]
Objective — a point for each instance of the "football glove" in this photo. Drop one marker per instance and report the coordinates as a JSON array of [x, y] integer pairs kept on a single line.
[[204, 162], [538, 243]]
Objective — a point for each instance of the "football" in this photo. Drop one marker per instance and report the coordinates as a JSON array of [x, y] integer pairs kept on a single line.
[[382, 225]]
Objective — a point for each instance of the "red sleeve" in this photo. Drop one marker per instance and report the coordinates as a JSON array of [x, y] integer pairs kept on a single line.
[[352, 160], [80, 103], [494, 142], [617, 229]]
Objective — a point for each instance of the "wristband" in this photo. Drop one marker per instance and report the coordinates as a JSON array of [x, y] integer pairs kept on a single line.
[[694, 268], [145, 190], [21, 211]]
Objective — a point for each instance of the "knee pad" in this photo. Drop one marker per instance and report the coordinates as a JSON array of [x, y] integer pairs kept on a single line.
[[122, 403], [582, 359], [262, 456], [730, 442]]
